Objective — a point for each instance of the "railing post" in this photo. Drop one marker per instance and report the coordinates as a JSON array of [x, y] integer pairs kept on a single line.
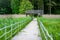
[[18, 27], [5, 33], [11, 31]]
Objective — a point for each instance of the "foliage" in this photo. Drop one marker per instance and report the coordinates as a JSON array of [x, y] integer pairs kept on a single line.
[[20, 6], [25, 5], [5, 7], [54, 4], [12, 22], [15, 6], [38, 4], [53, 26]]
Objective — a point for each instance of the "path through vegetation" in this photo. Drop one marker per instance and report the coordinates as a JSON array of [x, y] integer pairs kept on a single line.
[[31, 32]]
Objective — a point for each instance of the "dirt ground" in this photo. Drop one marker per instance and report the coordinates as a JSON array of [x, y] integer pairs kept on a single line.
[[13, 15], [23, 15], [51, 16]]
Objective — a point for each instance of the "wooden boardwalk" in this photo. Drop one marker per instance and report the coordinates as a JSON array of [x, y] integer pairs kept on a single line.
[[31, 32]]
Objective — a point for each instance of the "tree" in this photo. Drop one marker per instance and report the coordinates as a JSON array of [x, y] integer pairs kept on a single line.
[[25, 5], [15, 6], [38, 4], [5, 7], [52, 6]]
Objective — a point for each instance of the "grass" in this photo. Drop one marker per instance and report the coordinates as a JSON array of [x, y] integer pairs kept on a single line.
[[8, 21], [53, 26]]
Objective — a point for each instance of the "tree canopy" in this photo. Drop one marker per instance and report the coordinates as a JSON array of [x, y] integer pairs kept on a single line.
[[20, 6], [25, 5]]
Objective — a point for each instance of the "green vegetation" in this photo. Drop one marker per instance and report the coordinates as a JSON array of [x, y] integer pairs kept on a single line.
[[37, 4], [20, 6], [17, 24], [5, 7], [15, 6], [25, 5], [52, 6], [53, 27]]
